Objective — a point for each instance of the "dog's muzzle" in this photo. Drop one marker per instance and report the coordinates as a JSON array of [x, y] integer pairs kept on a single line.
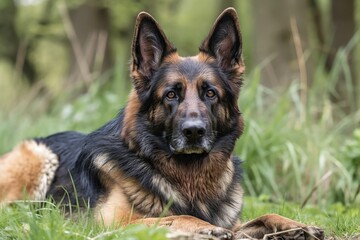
[[192, 137]]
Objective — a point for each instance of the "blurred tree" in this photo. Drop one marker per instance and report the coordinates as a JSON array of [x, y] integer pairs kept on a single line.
[[92, 25], [343, 24], [12, 48], [89, 33], [273, 45]]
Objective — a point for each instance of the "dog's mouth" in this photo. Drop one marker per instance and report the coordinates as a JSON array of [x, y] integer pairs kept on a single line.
[[183, 147], [195, 149]]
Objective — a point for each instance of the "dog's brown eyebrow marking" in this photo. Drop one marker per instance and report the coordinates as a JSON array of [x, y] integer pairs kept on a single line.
[[171, 79], [211, 82]]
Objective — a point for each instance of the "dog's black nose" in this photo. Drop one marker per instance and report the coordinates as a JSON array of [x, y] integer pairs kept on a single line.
[[193, 129]]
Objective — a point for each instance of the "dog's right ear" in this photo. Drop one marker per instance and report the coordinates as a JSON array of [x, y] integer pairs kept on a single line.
[[149, 48]]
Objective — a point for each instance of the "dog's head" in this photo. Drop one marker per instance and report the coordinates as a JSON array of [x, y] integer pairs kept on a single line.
[[189, 102]]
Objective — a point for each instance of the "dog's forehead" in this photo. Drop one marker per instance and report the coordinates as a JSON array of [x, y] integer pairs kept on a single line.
[[190, 69], [190, 73]]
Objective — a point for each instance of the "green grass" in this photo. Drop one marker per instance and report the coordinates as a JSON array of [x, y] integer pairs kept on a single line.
[[31, 221], [290, 146], [34, 221]]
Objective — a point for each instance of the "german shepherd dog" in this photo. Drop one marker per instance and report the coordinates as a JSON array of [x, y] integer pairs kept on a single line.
[[171, 146]]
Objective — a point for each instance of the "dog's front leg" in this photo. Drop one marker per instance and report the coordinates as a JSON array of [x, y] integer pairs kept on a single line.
[[188, 224], [277, 227]]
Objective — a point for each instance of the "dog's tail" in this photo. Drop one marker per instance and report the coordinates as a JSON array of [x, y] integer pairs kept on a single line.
[[27, 172]]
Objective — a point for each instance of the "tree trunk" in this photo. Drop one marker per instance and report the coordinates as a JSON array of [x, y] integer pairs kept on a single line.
[[91, 51], [273, 45], [343, 23], [12, 48]]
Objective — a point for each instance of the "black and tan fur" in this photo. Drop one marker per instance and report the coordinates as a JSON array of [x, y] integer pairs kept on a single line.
[[172, 142]]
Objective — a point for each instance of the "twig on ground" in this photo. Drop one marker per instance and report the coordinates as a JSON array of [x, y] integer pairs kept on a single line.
[[270, 235]]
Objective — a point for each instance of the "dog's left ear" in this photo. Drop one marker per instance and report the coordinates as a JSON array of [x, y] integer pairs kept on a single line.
[[224, 40], [149, 48]]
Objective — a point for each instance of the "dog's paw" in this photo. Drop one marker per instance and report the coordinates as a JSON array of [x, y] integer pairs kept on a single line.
[[305, 233], [218, 232], [312, 232], [273, 226]]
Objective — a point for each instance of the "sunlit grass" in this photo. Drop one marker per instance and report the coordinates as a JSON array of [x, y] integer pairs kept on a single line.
[[46, 221], [25, 220]]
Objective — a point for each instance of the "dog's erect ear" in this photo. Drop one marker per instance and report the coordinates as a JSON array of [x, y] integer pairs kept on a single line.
[[224, 40], [150, 46]]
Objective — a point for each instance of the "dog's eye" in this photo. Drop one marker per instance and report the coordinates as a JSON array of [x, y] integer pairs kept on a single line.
[[171, 95], [210, 93]]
